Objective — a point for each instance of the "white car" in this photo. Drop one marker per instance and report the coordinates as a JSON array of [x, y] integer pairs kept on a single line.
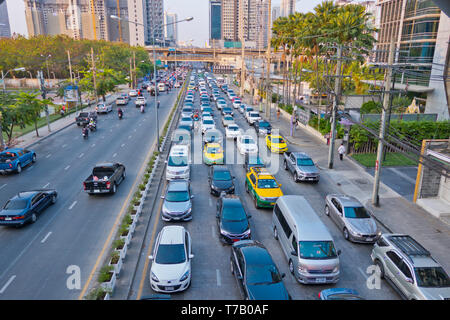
[[232, 131], [221, 104], [177, 85], [133, 93], [236, 103], [208, 123], [104, 108], [227, 120], [252, 117], [171, 260], [246, 144], [121, 101], [141, 101]]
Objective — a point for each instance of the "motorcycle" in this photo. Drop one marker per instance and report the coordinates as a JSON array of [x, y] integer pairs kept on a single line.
[[85, 133], [120, 115], [142, 109], [92, 126]]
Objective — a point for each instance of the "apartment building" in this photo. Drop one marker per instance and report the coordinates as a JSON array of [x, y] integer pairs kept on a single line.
[[287, 7]]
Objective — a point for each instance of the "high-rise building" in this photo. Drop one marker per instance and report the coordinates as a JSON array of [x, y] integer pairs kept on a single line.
[[154, 20], [276, 13], [255, 21], [170, 30], [215, 20], [421, 33], [5, 30], [287, 7]]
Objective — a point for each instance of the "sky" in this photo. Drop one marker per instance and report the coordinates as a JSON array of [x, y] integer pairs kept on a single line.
[[196, 29]]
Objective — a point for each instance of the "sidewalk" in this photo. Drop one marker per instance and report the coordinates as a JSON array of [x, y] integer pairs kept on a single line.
[[395, 213], [29, 139]]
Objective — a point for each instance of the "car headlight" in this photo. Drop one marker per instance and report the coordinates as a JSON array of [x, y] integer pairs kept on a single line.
[[154, 277], [302, 269], [214, 187], [336, 269], [185, 276], [189, 210]]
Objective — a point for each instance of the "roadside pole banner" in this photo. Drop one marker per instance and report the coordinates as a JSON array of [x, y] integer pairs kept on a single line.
[[71, 94]]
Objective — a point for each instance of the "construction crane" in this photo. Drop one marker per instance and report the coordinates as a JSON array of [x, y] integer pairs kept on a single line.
[[94, 26]]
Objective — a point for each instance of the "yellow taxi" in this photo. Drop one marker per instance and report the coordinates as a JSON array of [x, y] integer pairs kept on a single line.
[[213, 153], [276, 143], [263, 187]]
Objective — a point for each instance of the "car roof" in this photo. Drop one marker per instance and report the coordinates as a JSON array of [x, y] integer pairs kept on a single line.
[[179, 150], [178, 185], [172, 235], [255, 253], [12, 150], [302, 155], [25, 195], [220, 168], [213, 145], [348, 201]]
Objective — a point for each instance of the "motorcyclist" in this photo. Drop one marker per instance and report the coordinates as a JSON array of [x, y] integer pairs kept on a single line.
[[92, 123], [142, 108], [85, 132], [120, 113]]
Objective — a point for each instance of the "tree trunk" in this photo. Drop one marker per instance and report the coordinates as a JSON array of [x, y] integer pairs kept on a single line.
[[36, 128]]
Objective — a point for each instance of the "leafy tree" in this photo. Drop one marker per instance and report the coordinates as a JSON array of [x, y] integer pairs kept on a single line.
[[31, 107]]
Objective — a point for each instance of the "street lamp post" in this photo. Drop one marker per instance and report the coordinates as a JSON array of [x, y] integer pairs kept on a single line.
[[154, 65]]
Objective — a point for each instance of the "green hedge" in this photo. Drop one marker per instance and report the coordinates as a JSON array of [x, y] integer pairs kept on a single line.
[[325, 126]]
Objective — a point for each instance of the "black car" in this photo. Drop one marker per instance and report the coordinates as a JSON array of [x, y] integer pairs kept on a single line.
[[232, 220], [26, 206], [220, 180], [257, 275], [262, 127], [253, 160]]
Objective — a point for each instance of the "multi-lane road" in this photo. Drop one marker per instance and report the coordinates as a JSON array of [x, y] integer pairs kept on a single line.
[[36, 261], [211, 276]]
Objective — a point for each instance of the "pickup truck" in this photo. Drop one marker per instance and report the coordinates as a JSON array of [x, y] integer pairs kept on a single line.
[[15, 159], [301, 166], [83, 118], [105, 178]]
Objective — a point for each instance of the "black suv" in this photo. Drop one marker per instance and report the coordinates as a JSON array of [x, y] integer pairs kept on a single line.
[[220, 180], [84, 118], [262, 127]]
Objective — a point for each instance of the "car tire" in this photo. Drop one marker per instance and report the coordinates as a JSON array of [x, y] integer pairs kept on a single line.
[[53, 199], [256, 203], [33, 159], [285, 166], [33, 218], [247, 189], [114, 189], [231, 267], [346, 234], [19, 168], [327, 210], [291, 267], [296, 177], [275, 233]]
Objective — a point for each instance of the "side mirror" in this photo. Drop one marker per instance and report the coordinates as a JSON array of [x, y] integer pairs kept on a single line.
[[409, 280], [280, 185], [192, 196], [293, 253], [283, 275], [150, 257], [339, 252], [191, 256], [163, 197], [249, 216]]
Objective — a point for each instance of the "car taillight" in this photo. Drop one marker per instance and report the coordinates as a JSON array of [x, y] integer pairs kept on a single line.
[[84, 185], [10, 165], [108, 185], [319, 294], [18, 217]]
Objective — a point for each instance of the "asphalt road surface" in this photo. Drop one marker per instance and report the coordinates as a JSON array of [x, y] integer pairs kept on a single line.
[[36, 261]]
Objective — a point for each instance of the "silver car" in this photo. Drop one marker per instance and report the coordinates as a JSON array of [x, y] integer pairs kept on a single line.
[[352, 218], [410, 268], [187, 121], [177, 203]]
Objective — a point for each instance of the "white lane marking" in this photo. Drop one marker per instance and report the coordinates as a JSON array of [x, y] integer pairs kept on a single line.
[[3, 186], [140, 124], [72, 205], [129, 137], [135, 130], [93, 145], [123, 145], [210, 202], [81, 155], [7, 284], [219, 282], [46, 237], [64, 145], [46, 185], [363, 273], [114, 155], [67, 167], [49, 155]]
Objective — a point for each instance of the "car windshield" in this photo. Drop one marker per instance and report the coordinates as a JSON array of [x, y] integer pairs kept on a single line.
[[432, 277], [278, 140], [254, 115], [170, 254], [248, 141], [233, 128], [356, 213], [7, 156], [233, 213], [305, 162], [187, 110], [177, 196], [186, 119], [17, 204], [214, 150], [177, 161], [317, 250], [249, 109], [228, 118], [263, 274], [267, 184], [222, 175], [344, 296], [264, 124], [207, 121]]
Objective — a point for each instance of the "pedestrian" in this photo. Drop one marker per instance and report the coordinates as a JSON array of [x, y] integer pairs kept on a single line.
[[341, 151], [278, 114]]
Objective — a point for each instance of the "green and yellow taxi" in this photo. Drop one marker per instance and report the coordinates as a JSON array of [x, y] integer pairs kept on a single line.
[[263, 187], [213, 154], [276, 143]]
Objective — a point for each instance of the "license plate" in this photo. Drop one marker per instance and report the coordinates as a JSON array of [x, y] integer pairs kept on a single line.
[[321, 280], [96, 191], [169, 288], [8, 219], [369, 239]]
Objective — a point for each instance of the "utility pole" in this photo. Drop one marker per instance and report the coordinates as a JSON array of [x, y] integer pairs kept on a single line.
[[70, 66], [268, 86], [386, 101], [119, 21], [241, 20], [94, 74], [134, 70], [131, 73], [44, 94], [337, 89]]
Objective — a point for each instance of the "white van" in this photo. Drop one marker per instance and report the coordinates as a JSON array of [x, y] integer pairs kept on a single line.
[[305, 241], [178, 163]]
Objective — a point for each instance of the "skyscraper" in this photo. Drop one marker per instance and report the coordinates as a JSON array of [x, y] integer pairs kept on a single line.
[[287, 7], [154, 20], [215, 20], [5, 30], [171, 30]]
